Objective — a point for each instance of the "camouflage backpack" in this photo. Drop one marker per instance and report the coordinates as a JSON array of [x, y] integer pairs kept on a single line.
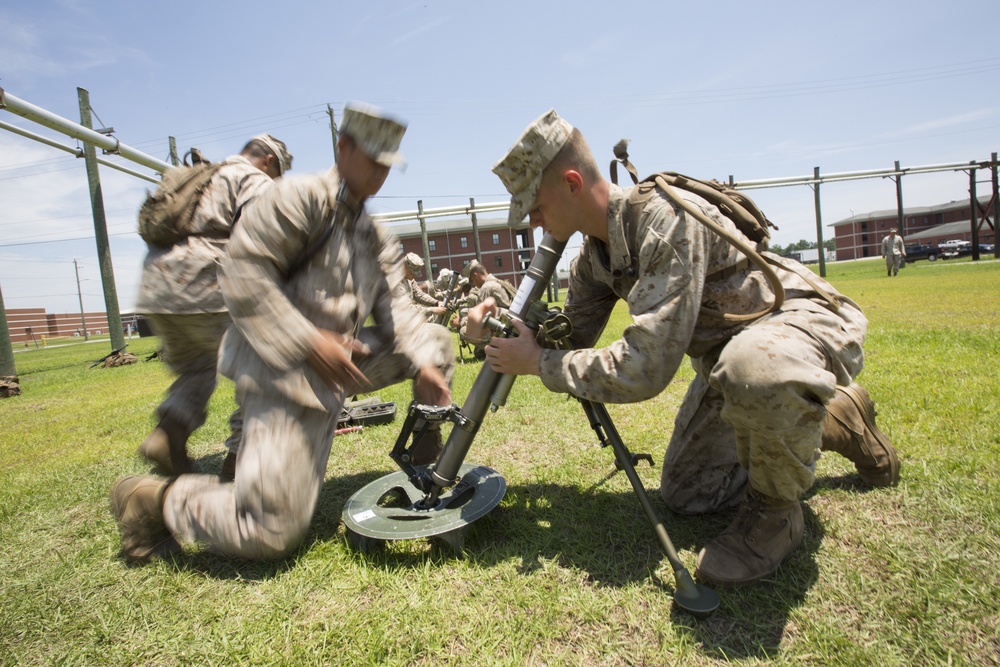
[[167, 214], [738, 208]]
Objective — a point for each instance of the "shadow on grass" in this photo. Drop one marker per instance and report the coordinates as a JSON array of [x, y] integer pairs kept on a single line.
[[602, 533]]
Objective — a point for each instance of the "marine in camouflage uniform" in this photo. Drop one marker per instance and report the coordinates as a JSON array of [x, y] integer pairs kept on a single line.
[[769, 394], [424, 302], [484, 286], [179, 293], [296, 349]]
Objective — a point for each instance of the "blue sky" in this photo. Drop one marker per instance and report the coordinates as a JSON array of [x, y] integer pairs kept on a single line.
[[752, 90]]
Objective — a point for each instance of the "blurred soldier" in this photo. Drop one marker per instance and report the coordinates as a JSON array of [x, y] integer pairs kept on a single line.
[[179, 293], [425, 303], [894, 252], [297, 347], [770, 390]]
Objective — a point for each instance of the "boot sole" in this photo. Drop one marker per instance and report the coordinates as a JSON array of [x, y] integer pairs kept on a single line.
[[863, 402]]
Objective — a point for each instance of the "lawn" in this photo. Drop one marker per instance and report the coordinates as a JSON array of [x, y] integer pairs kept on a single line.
[[566, 570]]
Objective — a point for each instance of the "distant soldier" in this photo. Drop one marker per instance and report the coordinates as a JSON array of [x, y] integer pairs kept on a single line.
[[484, 286], [179, 293], [426, 303], [894, 252]]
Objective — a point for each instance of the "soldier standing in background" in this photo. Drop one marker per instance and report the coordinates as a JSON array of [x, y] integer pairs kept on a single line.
[[894, 252]]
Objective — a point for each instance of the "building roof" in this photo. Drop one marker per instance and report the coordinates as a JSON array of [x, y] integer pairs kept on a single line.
[[947, 229], [915, 210], [445, 225]]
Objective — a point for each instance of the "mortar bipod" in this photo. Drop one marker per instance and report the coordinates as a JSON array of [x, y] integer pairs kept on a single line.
[[402, 453], [696, 599]]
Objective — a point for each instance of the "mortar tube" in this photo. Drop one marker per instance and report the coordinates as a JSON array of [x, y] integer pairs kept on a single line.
[[485, 388], [533, 285]]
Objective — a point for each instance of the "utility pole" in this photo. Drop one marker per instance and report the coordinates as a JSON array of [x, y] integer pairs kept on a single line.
[[101, 229], [819, 225], [333, 130], [423, 239], [79, 295], [7, 368], [174, 160], [475, 230]]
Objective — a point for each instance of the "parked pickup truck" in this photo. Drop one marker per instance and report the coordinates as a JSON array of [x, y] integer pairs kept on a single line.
[[957, 248], [917, 251]]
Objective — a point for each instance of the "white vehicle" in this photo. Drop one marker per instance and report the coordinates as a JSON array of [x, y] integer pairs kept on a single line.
[[955, 248]]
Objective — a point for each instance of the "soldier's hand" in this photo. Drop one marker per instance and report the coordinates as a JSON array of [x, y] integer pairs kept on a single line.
[[438, 310], [514, 356], [477, 314], [331, 358], [430, 387]]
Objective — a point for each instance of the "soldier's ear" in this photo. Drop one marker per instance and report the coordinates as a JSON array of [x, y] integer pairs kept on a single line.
[[574, 180]]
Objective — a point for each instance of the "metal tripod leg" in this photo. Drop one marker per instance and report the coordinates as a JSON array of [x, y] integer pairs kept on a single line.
[[689, 596]]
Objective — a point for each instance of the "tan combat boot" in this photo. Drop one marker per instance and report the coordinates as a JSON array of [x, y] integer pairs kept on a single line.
[[849, 429], [755, 543], [137, 503], [166, 446]]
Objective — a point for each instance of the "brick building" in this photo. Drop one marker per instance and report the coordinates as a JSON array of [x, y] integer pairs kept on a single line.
[[861, 235], [505, 252], [30, 325]]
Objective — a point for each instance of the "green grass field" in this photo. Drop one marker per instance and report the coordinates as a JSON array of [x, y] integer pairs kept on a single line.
[[566, 571]]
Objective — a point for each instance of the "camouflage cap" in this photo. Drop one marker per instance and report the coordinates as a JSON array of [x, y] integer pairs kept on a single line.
[[474, 265], [376, 134], [279, 149], [521, 168], [413, 261]]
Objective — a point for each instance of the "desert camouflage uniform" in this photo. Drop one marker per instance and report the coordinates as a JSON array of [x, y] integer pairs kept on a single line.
[[492, 287], [290, 413], [421, 299], [756, 406], [179, 292]]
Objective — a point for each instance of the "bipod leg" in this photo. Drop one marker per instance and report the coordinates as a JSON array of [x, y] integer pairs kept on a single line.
[[694, 598]]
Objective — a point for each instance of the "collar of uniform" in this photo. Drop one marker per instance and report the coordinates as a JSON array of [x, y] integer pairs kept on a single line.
[[347, 205], [618, 250]]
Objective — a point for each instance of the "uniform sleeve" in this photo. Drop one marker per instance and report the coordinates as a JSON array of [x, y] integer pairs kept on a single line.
[[664, 305], [421, 297], [272, 232]]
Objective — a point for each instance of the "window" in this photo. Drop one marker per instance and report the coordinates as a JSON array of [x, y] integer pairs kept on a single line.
[[432, 245], [496, 238], [463, 241], [498, 261], [401, 248]]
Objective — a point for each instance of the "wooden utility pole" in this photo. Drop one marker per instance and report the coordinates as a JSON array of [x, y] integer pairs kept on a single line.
[[79, 295], [821, 254], [7, 368], [475, 230], [101, 229]]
